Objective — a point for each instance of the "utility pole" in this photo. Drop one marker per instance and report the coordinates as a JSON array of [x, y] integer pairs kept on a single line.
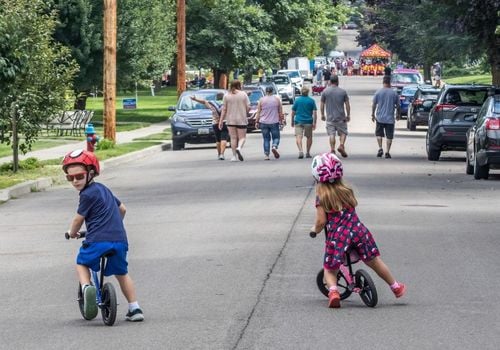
[[109, 79], [181, 46]]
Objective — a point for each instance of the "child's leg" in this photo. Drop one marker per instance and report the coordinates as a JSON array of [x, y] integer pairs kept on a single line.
[[83, 273], [331, 277], [127, 287], [381, 269]]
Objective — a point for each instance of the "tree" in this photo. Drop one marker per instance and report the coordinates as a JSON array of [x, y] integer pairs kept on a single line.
[[145, 38], [35, 72], [436, 31]]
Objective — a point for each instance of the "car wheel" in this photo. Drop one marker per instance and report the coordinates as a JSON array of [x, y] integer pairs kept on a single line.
[[177, 146], [411, 124], [480, 171], [469, 168], [433, 153]]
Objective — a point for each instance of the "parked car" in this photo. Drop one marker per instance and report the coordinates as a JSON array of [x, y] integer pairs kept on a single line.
[[452, 115], [403, 76], [255, 93], [418, 112], [483, 140], [296, 78], [192, 121], [406, 97], [285, 87]]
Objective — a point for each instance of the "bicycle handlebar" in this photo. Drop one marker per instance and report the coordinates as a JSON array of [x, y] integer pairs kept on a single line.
[[82, 234]]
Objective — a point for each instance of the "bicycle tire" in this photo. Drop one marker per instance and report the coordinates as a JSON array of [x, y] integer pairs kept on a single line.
[[342, 285], [80, 303], [109, 305], [368, 291]]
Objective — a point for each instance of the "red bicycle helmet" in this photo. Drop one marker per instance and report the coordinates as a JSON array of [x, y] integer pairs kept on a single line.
[[81, 157]]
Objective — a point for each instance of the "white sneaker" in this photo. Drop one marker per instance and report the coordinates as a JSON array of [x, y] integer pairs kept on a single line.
[[238, 152], [233, 159], [221, 157]]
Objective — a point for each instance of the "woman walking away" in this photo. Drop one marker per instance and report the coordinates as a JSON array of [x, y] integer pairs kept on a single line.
[[335, 209], [234, 111], [268, 118]]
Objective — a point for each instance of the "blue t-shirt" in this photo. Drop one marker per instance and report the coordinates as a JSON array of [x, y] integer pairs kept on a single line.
[[303, 108], [386, 100], [102, 214]]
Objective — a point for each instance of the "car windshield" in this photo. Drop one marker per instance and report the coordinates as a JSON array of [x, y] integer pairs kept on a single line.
[[293, 74], [281, 80], [430, 95], [254, 96], [409, 91], [466, 97], [406, 78], [496, 106], [187, 104]]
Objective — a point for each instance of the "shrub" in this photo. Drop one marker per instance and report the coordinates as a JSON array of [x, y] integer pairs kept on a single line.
[[105, 144]]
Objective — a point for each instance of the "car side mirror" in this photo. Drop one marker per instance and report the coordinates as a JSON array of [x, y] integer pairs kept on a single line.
[[171, 108]]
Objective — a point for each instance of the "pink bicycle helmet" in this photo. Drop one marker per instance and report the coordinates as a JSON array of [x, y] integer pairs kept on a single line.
[[81, 157], [326, 168]]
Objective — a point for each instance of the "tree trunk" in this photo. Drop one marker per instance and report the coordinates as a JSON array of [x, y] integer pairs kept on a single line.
[[15, 139], [220, 78], [495, 61], [427, 72], [181, 47]]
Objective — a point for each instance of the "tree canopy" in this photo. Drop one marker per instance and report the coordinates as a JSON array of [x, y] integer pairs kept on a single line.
[[35, 71]]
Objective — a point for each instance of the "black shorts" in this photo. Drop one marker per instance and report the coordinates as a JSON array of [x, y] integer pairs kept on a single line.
[[238, 126], [384, 130], [220, 134]]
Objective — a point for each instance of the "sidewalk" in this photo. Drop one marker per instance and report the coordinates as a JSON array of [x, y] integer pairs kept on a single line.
[[60, 151]]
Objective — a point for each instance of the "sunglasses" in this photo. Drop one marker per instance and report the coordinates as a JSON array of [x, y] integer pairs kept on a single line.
[[79, 176]]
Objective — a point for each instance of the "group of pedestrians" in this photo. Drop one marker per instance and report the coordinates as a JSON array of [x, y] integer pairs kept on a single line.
[[229, 117]]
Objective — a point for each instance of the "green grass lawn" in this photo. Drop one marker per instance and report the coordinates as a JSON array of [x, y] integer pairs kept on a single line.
[[150, 109], [52, 168], [469, 79]]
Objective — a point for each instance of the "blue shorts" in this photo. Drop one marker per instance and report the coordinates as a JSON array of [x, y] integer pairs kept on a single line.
[[91, 252]]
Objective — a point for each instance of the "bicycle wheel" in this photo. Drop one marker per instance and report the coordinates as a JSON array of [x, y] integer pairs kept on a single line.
[[342, 285], [368, 291], [108, 309]]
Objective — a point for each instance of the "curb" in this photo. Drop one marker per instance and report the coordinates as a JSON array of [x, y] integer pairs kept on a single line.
[[46, 182]]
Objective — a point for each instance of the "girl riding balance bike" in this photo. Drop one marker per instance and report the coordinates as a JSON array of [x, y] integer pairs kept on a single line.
[[335, 210]]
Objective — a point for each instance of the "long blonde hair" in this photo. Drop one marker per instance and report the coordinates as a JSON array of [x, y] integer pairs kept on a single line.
[[335, 196]]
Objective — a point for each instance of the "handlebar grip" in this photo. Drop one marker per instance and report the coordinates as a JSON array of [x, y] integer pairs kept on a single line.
[[82, 235], [312, 234]]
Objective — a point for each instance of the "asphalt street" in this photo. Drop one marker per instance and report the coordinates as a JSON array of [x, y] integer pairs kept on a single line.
[[222, 259]]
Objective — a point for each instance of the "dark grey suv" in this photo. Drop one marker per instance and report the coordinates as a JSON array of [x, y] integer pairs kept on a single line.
[[452, 115], [483, 140]]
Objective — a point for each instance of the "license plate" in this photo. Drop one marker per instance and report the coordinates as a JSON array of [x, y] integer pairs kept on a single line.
[[203, 131]]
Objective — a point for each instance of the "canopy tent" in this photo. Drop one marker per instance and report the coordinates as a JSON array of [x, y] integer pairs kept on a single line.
[[375, 51]]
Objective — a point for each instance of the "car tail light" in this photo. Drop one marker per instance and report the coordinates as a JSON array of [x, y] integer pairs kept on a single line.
[[418, 102], [445, 107], [493, 124]]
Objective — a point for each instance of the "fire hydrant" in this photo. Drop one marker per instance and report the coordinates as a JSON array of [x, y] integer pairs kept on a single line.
[[92, 138]]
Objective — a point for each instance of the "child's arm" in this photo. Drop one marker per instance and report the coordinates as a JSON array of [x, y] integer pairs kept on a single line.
[[320, 220], [123, 210], [76, 225]]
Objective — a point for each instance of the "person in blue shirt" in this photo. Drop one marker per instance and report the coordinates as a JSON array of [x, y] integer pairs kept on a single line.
[[304, 120], [103, 215]]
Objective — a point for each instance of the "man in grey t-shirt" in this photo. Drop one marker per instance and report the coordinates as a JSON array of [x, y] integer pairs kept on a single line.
[[385, 102], [334, 99]]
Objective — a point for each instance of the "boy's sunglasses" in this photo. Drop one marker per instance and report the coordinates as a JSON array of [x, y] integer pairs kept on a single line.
[[79, 176]]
